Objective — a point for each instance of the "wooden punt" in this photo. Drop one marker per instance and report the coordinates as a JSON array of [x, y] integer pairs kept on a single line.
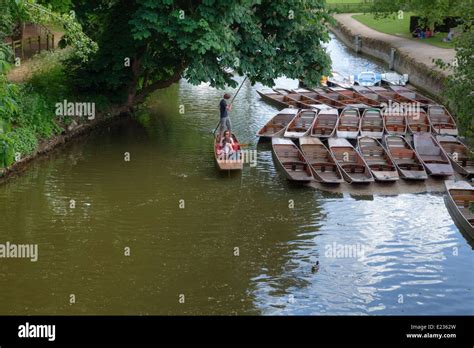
[[348, 125], [432, 155], [352, 165], [406, 160], [371, 124], [352, 94], [301, 125], [441, 121], [321, 161], [394, 123], [378, 159], [413, 95], [390, 95], [290, 159], [232, 162], [340, 98], [418, 122], [460, 155], [315, 97], [325, 124], [276, 99], [300, 100], [277, 125], [369, 94], [459, 199]]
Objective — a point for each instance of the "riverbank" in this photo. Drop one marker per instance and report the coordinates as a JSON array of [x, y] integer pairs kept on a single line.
[[46, 146], [410, 57]]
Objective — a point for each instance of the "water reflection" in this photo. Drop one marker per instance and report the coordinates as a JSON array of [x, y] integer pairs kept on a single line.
[[411, 247]]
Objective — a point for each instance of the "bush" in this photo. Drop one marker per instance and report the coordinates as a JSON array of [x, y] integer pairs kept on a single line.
[[23, 141]]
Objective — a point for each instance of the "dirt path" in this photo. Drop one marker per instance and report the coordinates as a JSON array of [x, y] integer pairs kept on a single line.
[[417, 50]]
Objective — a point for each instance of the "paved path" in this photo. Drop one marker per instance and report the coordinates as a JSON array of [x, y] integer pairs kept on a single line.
[[416, 49]]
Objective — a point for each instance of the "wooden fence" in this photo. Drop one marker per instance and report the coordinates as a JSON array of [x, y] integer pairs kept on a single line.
[[32, 45]]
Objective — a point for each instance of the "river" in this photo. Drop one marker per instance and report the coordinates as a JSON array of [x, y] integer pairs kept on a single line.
[[166, 233]]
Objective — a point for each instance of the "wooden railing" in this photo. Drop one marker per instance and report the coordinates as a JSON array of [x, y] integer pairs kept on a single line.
[[33, 44]]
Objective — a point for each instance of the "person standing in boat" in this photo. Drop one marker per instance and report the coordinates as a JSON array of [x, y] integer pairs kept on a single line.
[[224, 109]]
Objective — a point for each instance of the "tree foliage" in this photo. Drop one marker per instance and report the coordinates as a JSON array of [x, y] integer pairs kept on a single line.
[[166, 40]]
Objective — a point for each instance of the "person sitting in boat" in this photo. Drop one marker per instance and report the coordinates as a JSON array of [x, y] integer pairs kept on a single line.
[[224, 108], [227, 144]]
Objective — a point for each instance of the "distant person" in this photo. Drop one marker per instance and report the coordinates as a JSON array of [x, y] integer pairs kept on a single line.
[[416, 32], [428, 32], [449, 38], [225, 120]]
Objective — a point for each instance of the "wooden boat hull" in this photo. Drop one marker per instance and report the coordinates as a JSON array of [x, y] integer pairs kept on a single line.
[[301, 125], [441, 121], [322, 163], [372, 124], [325, 124], [348, 126], [353, 167], [277, 125], [291, 161], [458, 153], [234, 162], [406, 160], [432, 155], [378, 159], [418, 122], [413, 95], [395, 124], [459, 196], [274, 99]]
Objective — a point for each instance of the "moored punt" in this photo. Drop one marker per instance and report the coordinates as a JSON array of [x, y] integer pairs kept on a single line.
[[301, 101], [459, 198], [276, 99], [277, 125], [352, 165], [301, 124], [313, 96], [347, 101], [233, 161], [441, 120], [405, 158], [432, 155], [394, 123], [418, 122], [391, 95], [362, 90], [371, 124], [348, 125], [321, 161], [459, 154], [378, 159], [355, 96], [291, 160], [325, 124], [413, 95]]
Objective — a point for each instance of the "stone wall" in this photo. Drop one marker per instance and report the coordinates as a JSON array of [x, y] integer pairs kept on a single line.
[[420, 75]]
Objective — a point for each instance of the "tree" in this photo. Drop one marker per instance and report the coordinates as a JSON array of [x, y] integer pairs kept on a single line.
[[149, 44]]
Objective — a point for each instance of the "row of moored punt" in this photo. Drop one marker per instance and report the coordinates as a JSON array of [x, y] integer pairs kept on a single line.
[[382, 151]]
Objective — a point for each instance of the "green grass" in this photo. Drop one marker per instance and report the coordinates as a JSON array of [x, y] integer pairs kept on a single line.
[[400, 27]]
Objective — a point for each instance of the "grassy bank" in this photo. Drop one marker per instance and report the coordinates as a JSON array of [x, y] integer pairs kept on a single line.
[[400, 27], [28, 109]]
